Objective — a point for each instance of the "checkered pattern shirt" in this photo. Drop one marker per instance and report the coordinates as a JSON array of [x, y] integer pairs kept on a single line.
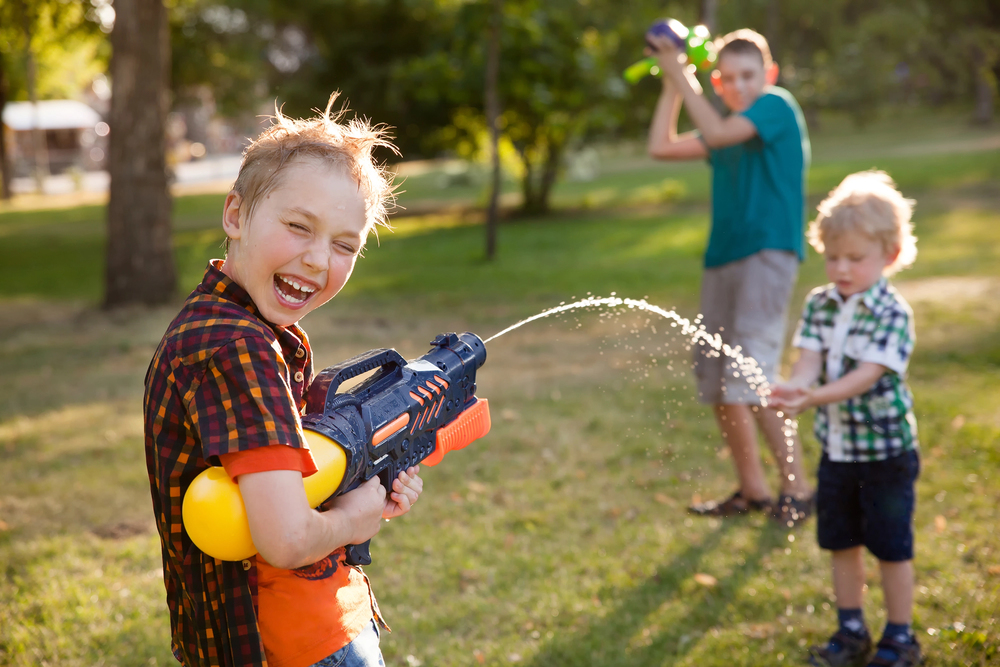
[[874, 326], [222, 380]]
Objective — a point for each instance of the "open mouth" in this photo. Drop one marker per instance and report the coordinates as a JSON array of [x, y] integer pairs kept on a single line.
[[292, 291]]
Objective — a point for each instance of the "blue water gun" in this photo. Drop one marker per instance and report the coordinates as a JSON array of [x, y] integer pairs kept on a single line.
[[405, 413]]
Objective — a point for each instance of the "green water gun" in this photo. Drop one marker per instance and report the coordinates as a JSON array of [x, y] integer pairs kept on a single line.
[[695, 42]]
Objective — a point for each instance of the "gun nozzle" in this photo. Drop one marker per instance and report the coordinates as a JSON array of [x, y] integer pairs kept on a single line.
[[477, 346]]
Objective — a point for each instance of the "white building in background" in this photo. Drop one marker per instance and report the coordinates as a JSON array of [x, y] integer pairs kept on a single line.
[[75, 135], [76, 141]]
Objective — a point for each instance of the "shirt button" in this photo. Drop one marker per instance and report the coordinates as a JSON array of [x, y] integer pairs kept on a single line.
[[298, 376], [299, 353]]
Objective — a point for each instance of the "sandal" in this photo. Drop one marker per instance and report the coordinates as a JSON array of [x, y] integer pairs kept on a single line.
[[908, 655], [853, 650], [791, 511], [734, 505]]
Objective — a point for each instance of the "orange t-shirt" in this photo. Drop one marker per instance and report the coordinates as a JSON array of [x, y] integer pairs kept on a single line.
[[308, 613]]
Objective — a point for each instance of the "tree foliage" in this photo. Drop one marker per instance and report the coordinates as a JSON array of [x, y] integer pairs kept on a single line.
[[863, 57], [222, 47], [559, 81], [69, 47], [419, 65]]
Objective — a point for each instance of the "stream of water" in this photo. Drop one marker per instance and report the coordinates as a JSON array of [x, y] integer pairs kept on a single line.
[[745, 365]]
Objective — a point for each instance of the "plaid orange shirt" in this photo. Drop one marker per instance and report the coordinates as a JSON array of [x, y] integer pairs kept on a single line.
[[223, 380]]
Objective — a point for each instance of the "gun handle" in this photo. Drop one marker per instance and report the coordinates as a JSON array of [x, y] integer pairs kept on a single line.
[[358, 554], [471, 424]]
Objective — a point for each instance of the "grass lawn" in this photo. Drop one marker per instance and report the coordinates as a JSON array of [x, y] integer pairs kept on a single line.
[[561, 538]]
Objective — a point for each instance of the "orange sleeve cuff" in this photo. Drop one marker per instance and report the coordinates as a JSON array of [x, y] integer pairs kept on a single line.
[[273, 457]]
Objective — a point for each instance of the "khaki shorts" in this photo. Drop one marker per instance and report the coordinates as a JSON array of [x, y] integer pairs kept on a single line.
[[746, 303]]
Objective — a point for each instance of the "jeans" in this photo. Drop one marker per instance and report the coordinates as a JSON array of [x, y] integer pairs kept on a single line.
[[364, 651]]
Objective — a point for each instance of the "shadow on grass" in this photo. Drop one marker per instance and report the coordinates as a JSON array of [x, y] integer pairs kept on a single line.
[[617, 637]]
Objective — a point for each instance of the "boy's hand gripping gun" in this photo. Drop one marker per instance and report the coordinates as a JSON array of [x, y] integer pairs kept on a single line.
[[695, 43], [404, 414]]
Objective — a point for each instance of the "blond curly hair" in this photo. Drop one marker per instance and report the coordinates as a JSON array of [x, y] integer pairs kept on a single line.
[[868, 202]]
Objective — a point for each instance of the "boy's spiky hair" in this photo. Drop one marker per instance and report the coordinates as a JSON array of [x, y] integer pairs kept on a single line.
[[868, 202], [348, 145], [745, 41]]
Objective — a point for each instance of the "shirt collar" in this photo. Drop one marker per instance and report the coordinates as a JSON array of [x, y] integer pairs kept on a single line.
[[220, 285], [875, 298], [878, 296]]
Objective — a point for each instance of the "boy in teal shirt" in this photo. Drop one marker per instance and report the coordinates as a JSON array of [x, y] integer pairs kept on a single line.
[[759, 154]]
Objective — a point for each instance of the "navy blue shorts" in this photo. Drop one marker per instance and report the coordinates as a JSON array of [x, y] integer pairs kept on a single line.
[[868, 503]]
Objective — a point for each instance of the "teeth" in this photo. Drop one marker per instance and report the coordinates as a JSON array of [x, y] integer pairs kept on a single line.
[[302, 288], [296, 285]]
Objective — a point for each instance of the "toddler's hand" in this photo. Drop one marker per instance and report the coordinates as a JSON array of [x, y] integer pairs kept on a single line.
[[405, 490], [362, 510], [790, 400]]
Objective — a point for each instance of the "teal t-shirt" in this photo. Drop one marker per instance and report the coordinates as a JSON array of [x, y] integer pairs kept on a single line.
[[758, 187]]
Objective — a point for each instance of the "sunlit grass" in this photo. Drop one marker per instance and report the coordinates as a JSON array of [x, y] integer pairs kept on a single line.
[[561, 538]]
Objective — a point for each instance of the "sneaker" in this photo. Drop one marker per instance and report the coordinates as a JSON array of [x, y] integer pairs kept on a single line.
[[842, 650], [907, 654], [732, 506]]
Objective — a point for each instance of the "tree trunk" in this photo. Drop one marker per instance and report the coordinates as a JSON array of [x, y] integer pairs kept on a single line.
[[986, 89], [7, 175], [536, 194], [533, 202], [39, 142], [708, 13], [527, 181], [139, 264], [492, 104], [549, 173], [707, 17], [772, 26]]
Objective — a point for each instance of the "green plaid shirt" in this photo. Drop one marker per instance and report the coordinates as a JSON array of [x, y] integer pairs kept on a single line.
[[874, 326]]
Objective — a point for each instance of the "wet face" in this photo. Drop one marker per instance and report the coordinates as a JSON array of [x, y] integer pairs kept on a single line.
[[299, 247], [739, 80], [855, 261]]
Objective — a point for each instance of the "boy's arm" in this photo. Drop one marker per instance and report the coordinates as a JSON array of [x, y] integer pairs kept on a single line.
[[716, 130], [855, 383], [289, 534], [795, 396], [806, 369], [664, 142], [790, 396]]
